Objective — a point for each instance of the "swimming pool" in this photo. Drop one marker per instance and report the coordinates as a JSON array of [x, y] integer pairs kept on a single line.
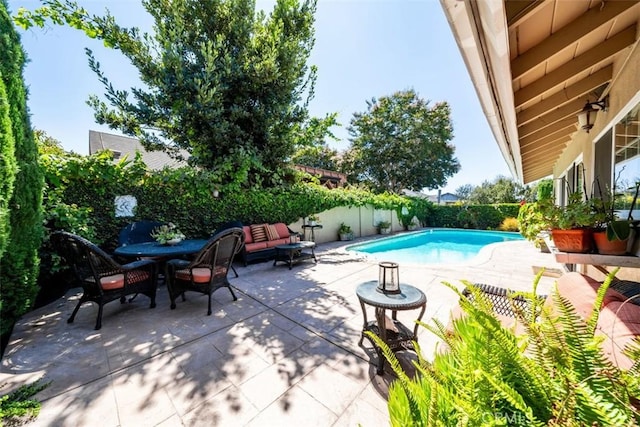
[[434, 246]]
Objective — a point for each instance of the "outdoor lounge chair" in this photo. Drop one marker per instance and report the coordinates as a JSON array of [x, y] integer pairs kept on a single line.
[[103, 280], [208, 271]]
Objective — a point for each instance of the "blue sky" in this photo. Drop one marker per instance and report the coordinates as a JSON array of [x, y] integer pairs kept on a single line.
[[364, 49]]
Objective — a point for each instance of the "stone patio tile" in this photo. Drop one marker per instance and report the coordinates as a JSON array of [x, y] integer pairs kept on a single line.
[[294, 408], [331, 388], [228, 408], [267, 386], [361, 413], [188, 392], [242, 367], [196, 356], [71, 408], [141, 397]]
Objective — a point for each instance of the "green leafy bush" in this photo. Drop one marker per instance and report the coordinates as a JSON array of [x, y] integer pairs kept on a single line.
[[18, 407], [553, 374]]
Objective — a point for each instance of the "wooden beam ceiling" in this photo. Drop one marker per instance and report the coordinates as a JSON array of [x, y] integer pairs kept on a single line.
[[579, 89], [566, 36], [577, 65], [568, 123]]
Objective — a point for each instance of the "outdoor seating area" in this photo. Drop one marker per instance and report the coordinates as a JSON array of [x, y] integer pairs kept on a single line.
[[285, 353]]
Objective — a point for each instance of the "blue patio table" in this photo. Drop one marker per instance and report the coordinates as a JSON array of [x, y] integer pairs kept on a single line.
[[157, 250], [396, 335]]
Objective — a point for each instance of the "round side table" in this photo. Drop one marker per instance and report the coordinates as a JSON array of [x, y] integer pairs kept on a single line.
[[396, 335]]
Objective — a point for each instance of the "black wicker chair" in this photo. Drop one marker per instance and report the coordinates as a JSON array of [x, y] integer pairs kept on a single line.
[[207, 272], [501, 299], [226, 226], [103, 280]]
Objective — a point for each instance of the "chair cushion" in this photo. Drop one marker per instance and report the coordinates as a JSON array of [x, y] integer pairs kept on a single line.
[[258, 232], [248, 238], [112, 282], [283, 230], [200, 275], [116, 281], [272, 232]]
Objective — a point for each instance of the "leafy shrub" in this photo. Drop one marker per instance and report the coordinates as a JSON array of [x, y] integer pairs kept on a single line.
[[509, 224], [19, 405], [554, 374]]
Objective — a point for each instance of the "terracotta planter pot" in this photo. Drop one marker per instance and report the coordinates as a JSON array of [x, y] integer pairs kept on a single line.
[[578, 240], [606, 247]]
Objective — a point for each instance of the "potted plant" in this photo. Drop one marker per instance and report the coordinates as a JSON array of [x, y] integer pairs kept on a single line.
[[345, 232], [313, 219], [611, 234], [572, 224], [384, 227], [167, 234]]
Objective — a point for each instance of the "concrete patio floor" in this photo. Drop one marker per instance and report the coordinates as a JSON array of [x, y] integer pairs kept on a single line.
[[285, 354]]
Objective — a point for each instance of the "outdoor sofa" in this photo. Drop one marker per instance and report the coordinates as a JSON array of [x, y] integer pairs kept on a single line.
[[260, 240]]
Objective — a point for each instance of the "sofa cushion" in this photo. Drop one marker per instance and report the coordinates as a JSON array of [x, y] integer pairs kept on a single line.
[[272, 233], [248, 237], [283, 230], [252, 247], [274, 243], [258, 232]]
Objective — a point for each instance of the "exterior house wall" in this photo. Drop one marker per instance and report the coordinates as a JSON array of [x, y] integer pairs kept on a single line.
[[625, 85]]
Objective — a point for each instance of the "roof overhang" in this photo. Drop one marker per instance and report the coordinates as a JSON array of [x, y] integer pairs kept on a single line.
[[535, 64]]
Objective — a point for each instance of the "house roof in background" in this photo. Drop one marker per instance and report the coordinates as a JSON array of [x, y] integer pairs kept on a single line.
[[126, 146]]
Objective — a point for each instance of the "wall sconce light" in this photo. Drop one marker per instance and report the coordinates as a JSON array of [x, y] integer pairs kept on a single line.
[[587, 116], [388, 278]]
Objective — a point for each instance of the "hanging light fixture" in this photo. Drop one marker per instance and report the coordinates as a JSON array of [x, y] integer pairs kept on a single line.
[[587, 116]]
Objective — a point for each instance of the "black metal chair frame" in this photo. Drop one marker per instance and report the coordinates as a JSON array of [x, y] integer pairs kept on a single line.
[[91, 264], [217, 256], [502, 300]]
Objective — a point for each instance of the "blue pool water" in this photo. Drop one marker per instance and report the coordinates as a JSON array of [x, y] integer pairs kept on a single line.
[[438, 246]]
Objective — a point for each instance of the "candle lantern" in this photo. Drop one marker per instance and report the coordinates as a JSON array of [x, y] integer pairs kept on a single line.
[[293, 238], [388, 278]]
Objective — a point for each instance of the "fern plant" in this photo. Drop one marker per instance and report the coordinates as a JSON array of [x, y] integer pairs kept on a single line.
[[554, 373]]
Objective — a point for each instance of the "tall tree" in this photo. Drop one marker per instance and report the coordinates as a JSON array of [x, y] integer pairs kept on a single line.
[[500, 190], [464, 191], [19, 262], [317, 156], [227, 83], [401, 143]]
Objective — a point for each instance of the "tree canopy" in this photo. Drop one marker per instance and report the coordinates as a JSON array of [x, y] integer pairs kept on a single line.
[[501, 190], [401, 142], [225, 82]]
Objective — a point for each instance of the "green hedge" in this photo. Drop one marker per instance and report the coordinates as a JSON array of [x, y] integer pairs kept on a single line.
[[482, 217], [19, 264]]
